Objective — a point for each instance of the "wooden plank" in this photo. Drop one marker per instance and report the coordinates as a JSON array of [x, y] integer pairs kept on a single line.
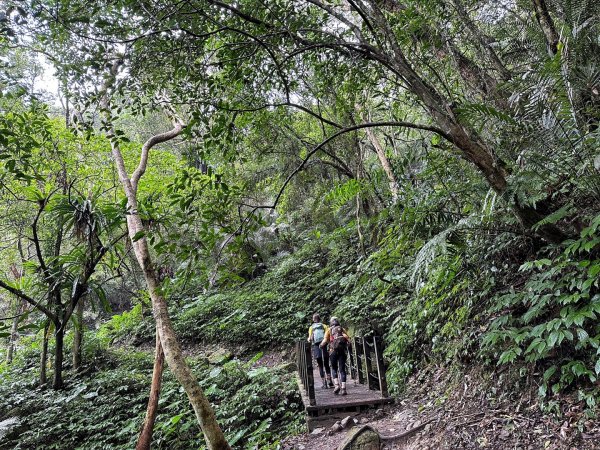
[[353, 403], [380, 366]]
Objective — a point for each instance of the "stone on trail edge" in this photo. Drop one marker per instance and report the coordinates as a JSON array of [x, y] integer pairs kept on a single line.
[[7, 424], [348, 422], [361, 438]]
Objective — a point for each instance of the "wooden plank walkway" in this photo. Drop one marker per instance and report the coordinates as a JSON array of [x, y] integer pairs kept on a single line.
[[330, 407], [358, 394], [323, 407]]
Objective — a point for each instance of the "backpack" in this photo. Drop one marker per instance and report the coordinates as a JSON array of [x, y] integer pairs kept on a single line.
[[339, 343], [318, 333]]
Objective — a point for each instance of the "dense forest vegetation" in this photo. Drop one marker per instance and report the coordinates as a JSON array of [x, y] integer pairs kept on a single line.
[[184, 183]]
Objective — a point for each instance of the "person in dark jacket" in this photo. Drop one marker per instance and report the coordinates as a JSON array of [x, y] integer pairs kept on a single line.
[[338, 341], [316, 334]]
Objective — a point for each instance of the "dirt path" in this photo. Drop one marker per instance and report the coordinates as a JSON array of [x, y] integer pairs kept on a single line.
[[470, 413]]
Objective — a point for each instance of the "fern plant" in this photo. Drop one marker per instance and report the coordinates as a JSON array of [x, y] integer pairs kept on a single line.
[[554, 317]]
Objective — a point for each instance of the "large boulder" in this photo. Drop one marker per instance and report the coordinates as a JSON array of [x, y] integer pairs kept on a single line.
[[361, 438]]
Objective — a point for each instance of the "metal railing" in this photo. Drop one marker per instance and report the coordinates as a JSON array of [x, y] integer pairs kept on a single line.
[[365, 364], [304, 362]]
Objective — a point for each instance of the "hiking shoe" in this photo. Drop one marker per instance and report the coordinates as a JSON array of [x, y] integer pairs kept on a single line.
[[344, 391], [336, 391], [324, 386]]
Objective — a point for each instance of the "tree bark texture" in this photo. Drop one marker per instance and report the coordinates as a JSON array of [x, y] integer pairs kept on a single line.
[[59, 343], [44, 355], [78, 336], [385, 163], [145, 438], [547, 25]]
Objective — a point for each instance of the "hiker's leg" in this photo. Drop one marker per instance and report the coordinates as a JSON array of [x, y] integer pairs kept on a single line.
[[342, 370], [333, 359], [326, 362], [333, 363], [318, 355], [321, 370], [326, 366], [342, 367]]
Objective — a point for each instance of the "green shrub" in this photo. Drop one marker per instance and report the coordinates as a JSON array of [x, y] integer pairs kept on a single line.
[[553, 320], [105, 409]]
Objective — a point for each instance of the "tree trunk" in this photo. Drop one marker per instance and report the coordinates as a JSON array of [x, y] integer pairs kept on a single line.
[[547, 25], [472, 147], [12, 339], [385, 163], [59, 340], [174, 357], [44, 355], [145, 438], [215, 439], [78, 335]]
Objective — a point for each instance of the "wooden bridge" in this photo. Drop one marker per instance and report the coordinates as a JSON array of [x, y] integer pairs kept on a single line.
[[366, 385]]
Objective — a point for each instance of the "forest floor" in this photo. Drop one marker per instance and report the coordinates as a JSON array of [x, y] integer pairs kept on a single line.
[[469, 414]]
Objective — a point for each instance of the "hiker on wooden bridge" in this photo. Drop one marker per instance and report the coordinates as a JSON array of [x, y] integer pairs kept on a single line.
[[338, 341], [316, 334]]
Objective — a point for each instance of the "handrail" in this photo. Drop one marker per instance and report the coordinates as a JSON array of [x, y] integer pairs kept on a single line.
[[364, 365], [305, 369]]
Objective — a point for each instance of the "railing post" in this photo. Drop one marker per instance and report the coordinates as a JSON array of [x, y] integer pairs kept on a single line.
[[371, 379], [378, 344], [310, 375], [351, 367], [358, 354]]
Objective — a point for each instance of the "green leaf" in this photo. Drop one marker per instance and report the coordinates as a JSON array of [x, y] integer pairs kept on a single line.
[[137, 236], [552, 338], [549, 372]]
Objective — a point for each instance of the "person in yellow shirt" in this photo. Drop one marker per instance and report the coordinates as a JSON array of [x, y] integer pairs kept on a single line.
[[338, 340], [316, 334]]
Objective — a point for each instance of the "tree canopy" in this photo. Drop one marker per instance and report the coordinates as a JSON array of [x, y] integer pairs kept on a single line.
[[426, 169]]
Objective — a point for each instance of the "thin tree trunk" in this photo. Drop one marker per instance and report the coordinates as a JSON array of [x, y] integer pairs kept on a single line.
[[547, 25], [174, 357], [78, 335], [215, 439], [145, 438], [59, 341], [385, 163], [12, 339], [482, 40], [44, 355]]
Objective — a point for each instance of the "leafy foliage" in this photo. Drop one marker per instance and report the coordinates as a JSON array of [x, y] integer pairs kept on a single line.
[[557, 311], [105, 408]]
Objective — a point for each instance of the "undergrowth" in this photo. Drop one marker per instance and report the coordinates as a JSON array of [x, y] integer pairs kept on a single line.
[[105, 408]]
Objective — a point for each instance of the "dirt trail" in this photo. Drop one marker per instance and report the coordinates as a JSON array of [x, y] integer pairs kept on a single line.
[[471, 413]]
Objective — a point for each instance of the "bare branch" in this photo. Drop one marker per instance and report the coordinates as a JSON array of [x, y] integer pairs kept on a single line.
[[23, 296]]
